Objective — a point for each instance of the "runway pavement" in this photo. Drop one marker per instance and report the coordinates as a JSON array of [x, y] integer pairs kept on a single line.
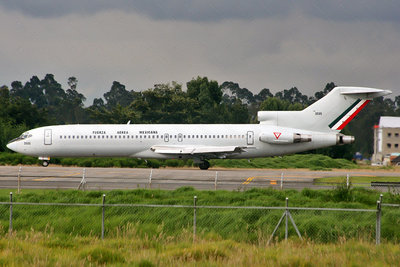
[[169, 178]]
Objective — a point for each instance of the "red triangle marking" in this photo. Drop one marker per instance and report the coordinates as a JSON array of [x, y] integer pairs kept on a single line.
[[277, 135]]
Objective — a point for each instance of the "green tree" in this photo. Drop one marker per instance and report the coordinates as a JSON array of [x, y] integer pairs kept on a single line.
[[293, 95], [73, 107], [274, 103], [118, 95]]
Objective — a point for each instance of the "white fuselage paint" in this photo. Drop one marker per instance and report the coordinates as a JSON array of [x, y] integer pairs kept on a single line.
[[130, 140]]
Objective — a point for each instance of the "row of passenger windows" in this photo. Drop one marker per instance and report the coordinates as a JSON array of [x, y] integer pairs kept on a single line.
[[151, 136]]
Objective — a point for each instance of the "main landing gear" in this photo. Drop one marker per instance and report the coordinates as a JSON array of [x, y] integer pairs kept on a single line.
[[204, 165]]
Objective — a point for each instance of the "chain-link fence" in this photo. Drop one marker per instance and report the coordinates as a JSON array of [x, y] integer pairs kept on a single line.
[[390, 222], [247, 224]]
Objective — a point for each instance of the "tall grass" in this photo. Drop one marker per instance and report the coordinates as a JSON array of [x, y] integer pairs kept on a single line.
[[308, 161], [44, 249]]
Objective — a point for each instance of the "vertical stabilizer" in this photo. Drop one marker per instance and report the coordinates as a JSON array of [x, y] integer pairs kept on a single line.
[[331, 113]]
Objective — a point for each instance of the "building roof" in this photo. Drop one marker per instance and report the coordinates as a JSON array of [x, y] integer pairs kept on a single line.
[[389, 122]]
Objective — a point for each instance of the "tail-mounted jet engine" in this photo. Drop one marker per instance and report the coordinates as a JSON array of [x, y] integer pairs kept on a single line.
[[284, 138]]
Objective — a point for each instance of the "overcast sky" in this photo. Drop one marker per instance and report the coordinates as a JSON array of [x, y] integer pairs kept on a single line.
[[258, 44]]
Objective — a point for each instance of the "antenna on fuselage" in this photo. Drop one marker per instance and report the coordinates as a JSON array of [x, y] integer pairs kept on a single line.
[[129, 122]]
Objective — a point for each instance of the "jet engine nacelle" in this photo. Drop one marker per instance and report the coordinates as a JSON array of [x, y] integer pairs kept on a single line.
[[280, 138]]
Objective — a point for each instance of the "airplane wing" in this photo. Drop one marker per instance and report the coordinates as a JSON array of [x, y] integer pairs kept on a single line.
[[197, 150]]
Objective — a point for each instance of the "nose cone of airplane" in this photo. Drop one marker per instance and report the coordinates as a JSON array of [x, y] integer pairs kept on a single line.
[[12, 146]]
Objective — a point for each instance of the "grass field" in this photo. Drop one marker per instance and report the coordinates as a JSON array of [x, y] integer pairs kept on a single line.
[[354, 180], [41, 249], [241, 225], [65, 236]]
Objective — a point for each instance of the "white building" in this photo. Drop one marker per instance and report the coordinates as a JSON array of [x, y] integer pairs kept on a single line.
[[386, 139]]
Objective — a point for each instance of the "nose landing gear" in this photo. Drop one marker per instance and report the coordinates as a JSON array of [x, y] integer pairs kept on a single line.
[[46, 161]]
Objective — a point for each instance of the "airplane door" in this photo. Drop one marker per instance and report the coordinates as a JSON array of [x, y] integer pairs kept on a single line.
[[250, 138], [180, 137], [47, 137], [166, 137]]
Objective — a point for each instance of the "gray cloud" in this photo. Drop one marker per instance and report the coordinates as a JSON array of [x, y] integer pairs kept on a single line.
[[211, 10], [292, 47]]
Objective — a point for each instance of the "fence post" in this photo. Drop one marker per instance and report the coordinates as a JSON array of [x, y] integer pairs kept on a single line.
[[348, 181], [378, 222], [19, 179], [10, 227], [286, 219], [194, 218], [380, 198], [216, 181], [150, 176], [102, 221], [281, 180]]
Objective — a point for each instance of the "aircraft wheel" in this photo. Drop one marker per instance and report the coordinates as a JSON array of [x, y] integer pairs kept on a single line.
[[45, 163], [204, 165]]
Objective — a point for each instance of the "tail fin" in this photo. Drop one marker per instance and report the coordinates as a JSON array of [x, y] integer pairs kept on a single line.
[[331, 113]]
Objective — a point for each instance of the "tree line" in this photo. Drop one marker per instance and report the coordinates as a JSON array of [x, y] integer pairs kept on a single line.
[[41, 102]]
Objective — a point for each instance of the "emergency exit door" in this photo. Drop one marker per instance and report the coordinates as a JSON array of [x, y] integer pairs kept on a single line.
[[250, 138], [47, 137]]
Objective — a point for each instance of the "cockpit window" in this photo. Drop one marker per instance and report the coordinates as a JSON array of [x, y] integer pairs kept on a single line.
[[23, 136]]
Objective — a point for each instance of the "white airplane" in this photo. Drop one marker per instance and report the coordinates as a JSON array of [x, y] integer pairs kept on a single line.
[[279, 133]]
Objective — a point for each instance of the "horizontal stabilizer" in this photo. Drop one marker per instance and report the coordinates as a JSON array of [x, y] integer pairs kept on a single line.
[[368, 93]]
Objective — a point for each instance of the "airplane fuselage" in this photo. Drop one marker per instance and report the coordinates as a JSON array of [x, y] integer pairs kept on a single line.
[[129, 140]]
